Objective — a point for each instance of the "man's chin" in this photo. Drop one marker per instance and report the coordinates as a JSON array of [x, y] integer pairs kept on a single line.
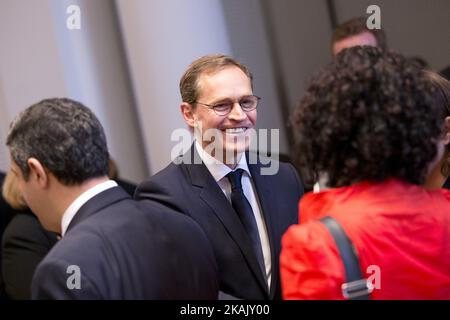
[[233, 152]]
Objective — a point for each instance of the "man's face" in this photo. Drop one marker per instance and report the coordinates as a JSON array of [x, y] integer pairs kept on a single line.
[[25, 187], [229, 84], [361, 39], [31, 194]]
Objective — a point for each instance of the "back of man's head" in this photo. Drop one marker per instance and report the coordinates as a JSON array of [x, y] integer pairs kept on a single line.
[[353, 28], [65, 136]]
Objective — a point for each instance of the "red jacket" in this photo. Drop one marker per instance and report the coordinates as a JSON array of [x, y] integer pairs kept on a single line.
[[400, 231]]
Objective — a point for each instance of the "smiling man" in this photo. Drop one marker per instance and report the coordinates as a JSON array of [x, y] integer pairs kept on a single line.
[[243, 212]]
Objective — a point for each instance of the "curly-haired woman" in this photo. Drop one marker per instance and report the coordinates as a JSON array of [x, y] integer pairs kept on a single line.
[[369, 124]]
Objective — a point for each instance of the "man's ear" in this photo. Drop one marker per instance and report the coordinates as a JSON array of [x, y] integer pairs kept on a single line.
[[187, 110], [37, 171], [447, 130]]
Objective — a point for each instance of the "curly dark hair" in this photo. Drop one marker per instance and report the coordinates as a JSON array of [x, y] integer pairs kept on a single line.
[[369, 115]]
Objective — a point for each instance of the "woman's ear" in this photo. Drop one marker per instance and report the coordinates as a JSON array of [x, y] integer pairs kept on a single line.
[[187, 110], [447, 130]]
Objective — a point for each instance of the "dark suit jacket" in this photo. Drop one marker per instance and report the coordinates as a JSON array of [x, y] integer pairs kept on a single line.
[[25, 243], [6, 213], [191, 189], [128, 250]]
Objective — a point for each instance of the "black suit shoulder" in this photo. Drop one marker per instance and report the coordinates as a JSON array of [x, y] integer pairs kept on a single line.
[[131, 250], [25, 243], [165, 187]]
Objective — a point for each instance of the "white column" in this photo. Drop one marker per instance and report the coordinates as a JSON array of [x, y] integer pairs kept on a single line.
[[95, 73], [30, 67], [162, 38]]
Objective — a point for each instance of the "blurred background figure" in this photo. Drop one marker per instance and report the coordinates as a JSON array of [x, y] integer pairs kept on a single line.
[[354, 32], [25, 243], [369, 125], [113, 173]]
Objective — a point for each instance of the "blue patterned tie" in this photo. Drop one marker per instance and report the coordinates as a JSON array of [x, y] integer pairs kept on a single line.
[[244, 210]]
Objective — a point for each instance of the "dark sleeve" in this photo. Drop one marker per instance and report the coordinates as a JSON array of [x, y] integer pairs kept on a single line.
[[130, 188], [163, 190], [25, 243], [298, 180]]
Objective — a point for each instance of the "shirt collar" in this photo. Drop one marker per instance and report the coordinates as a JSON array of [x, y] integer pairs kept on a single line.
[[217, 168], [82, 199]]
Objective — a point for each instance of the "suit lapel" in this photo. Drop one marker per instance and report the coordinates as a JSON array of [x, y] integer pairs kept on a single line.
[[267, 202], [213, 196], [97, 203]]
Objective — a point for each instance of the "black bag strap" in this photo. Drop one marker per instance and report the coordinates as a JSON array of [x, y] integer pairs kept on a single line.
[[356, 286]]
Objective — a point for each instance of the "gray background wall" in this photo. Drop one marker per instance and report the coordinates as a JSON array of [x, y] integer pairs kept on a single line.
[[126, 60]]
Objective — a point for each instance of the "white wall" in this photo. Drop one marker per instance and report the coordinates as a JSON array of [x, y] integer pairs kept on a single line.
[[248, 33], [30, 67], [96, 74], [302, 31], [40, 58], [129, 72], [162, 38]]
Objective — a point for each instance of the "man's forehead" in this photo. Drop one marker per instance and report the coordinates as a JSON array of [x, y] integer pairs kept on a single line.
[[360, 39], [211, 77]]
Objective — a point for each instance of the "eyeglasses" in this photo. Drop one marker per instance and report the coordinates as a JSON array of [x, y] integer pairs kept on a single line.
[[247, 103]]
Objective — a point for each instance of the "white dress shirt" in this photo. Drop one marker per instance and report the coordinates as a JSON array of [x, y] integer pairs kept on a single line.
[[72, 210], [219, 171]]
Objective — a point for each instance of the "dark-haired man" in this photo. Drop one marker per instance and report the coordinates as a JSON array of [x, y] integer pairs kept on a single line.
[[112, 247], [354, 32]]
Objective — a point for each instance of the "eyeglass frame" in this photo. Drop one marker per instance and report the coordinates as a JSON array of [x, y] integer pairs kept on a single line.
[[211, 106]]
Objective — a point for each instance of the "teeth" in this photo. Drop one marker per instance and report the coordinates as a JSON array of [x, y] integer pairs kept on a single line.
[[235, 130]]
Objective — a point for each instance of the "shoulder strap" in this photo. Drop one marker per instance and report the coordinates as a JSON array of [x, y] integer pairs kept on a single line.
[[356, 286]]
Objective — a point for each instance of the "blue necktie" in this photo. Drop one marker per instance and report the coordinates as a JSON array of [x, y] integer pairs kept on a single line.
[[244, 210]]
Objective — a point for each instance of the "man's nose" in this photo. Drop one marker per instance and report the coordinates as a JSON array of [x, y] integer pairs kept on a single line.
[[237, 113]]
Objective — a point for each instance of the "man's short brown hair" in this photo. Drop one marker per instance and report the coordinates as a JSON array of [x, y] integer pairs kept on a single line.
[[356, 26], [207, 64]]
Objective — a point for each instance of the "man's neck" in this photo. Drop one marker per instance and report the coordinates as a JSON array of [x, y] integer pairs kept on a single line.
[[68, 194]]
